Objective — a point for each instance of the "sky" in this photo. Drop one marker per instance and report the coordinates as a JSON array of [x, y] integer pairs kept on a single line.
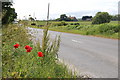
[[77, 8]]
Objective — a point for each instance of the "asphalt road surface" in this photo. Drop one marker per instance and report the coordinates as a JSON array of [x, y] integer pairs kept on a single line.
[[93, 56]]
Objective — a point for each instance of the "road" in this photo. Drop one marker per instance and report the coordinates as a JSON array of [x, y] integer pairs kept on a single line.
[[93, 56]]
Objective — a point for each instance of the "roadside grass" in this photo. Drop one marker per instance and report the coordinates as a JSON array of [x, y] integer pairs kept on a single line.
[[102, 30], [107, 30], [17, 63]]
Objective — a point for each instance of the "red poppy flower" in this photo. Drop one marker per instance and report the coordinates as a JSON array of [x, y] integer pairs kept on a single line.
[[16, 45], [27, 47], [40, 54], [28, 50]]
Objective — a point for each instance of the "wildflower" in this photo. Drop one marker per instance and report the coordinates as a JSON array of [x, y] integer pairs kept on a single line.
[[16, 45], [40, 54], [28, 50], [27, 47]]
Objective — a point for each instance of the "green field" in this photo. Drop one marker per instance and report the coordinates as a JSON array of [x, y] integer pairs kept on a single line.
[[81, 22], [107, 30], [55, 22]]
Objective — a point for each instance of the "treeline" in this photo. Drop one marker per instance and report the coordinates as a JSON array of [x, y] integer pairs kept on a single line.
[[63, 17], [99, 18]]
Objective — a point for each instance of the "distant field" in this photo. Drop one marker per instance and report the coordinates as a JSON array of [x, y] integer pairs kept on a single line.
[[113, 22], [81, 22]]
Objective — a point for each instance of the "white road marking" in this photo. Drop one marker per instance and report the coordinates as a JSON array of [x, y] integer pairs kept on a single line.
[[76, 41]]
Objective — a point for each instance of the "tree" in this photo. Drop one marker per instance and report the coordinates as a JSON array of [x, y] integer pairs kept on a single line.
[[8, 13], [86, 17], [101, 17], [115, 17], [63, 17]]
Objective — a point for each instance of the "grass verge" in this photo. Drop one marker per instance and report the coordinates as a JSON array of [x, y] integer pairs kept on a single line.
[[17, 63]]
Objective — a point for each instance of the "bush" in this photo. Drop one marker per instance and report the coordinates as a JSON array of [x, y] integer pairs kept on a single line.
[[71, 23], [101, 17], [105, 28], [33, 23], [60, 24], [76, 23]]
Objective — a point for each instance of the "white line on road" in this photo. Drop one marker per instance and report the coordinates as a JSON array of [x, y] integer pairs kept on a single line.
[[76, 41]]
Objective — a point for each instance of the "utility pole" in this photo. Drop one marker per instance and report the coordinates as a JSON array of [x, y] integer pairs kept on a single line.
[[48, 13]]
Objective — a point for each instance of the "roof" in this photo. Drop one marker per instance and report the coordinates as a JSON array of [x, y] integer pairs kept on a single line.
[[72, 17]]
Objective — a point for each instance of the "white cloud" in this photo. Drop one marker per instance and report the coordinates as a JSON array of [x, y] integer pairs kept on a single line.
[[57, 7]]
